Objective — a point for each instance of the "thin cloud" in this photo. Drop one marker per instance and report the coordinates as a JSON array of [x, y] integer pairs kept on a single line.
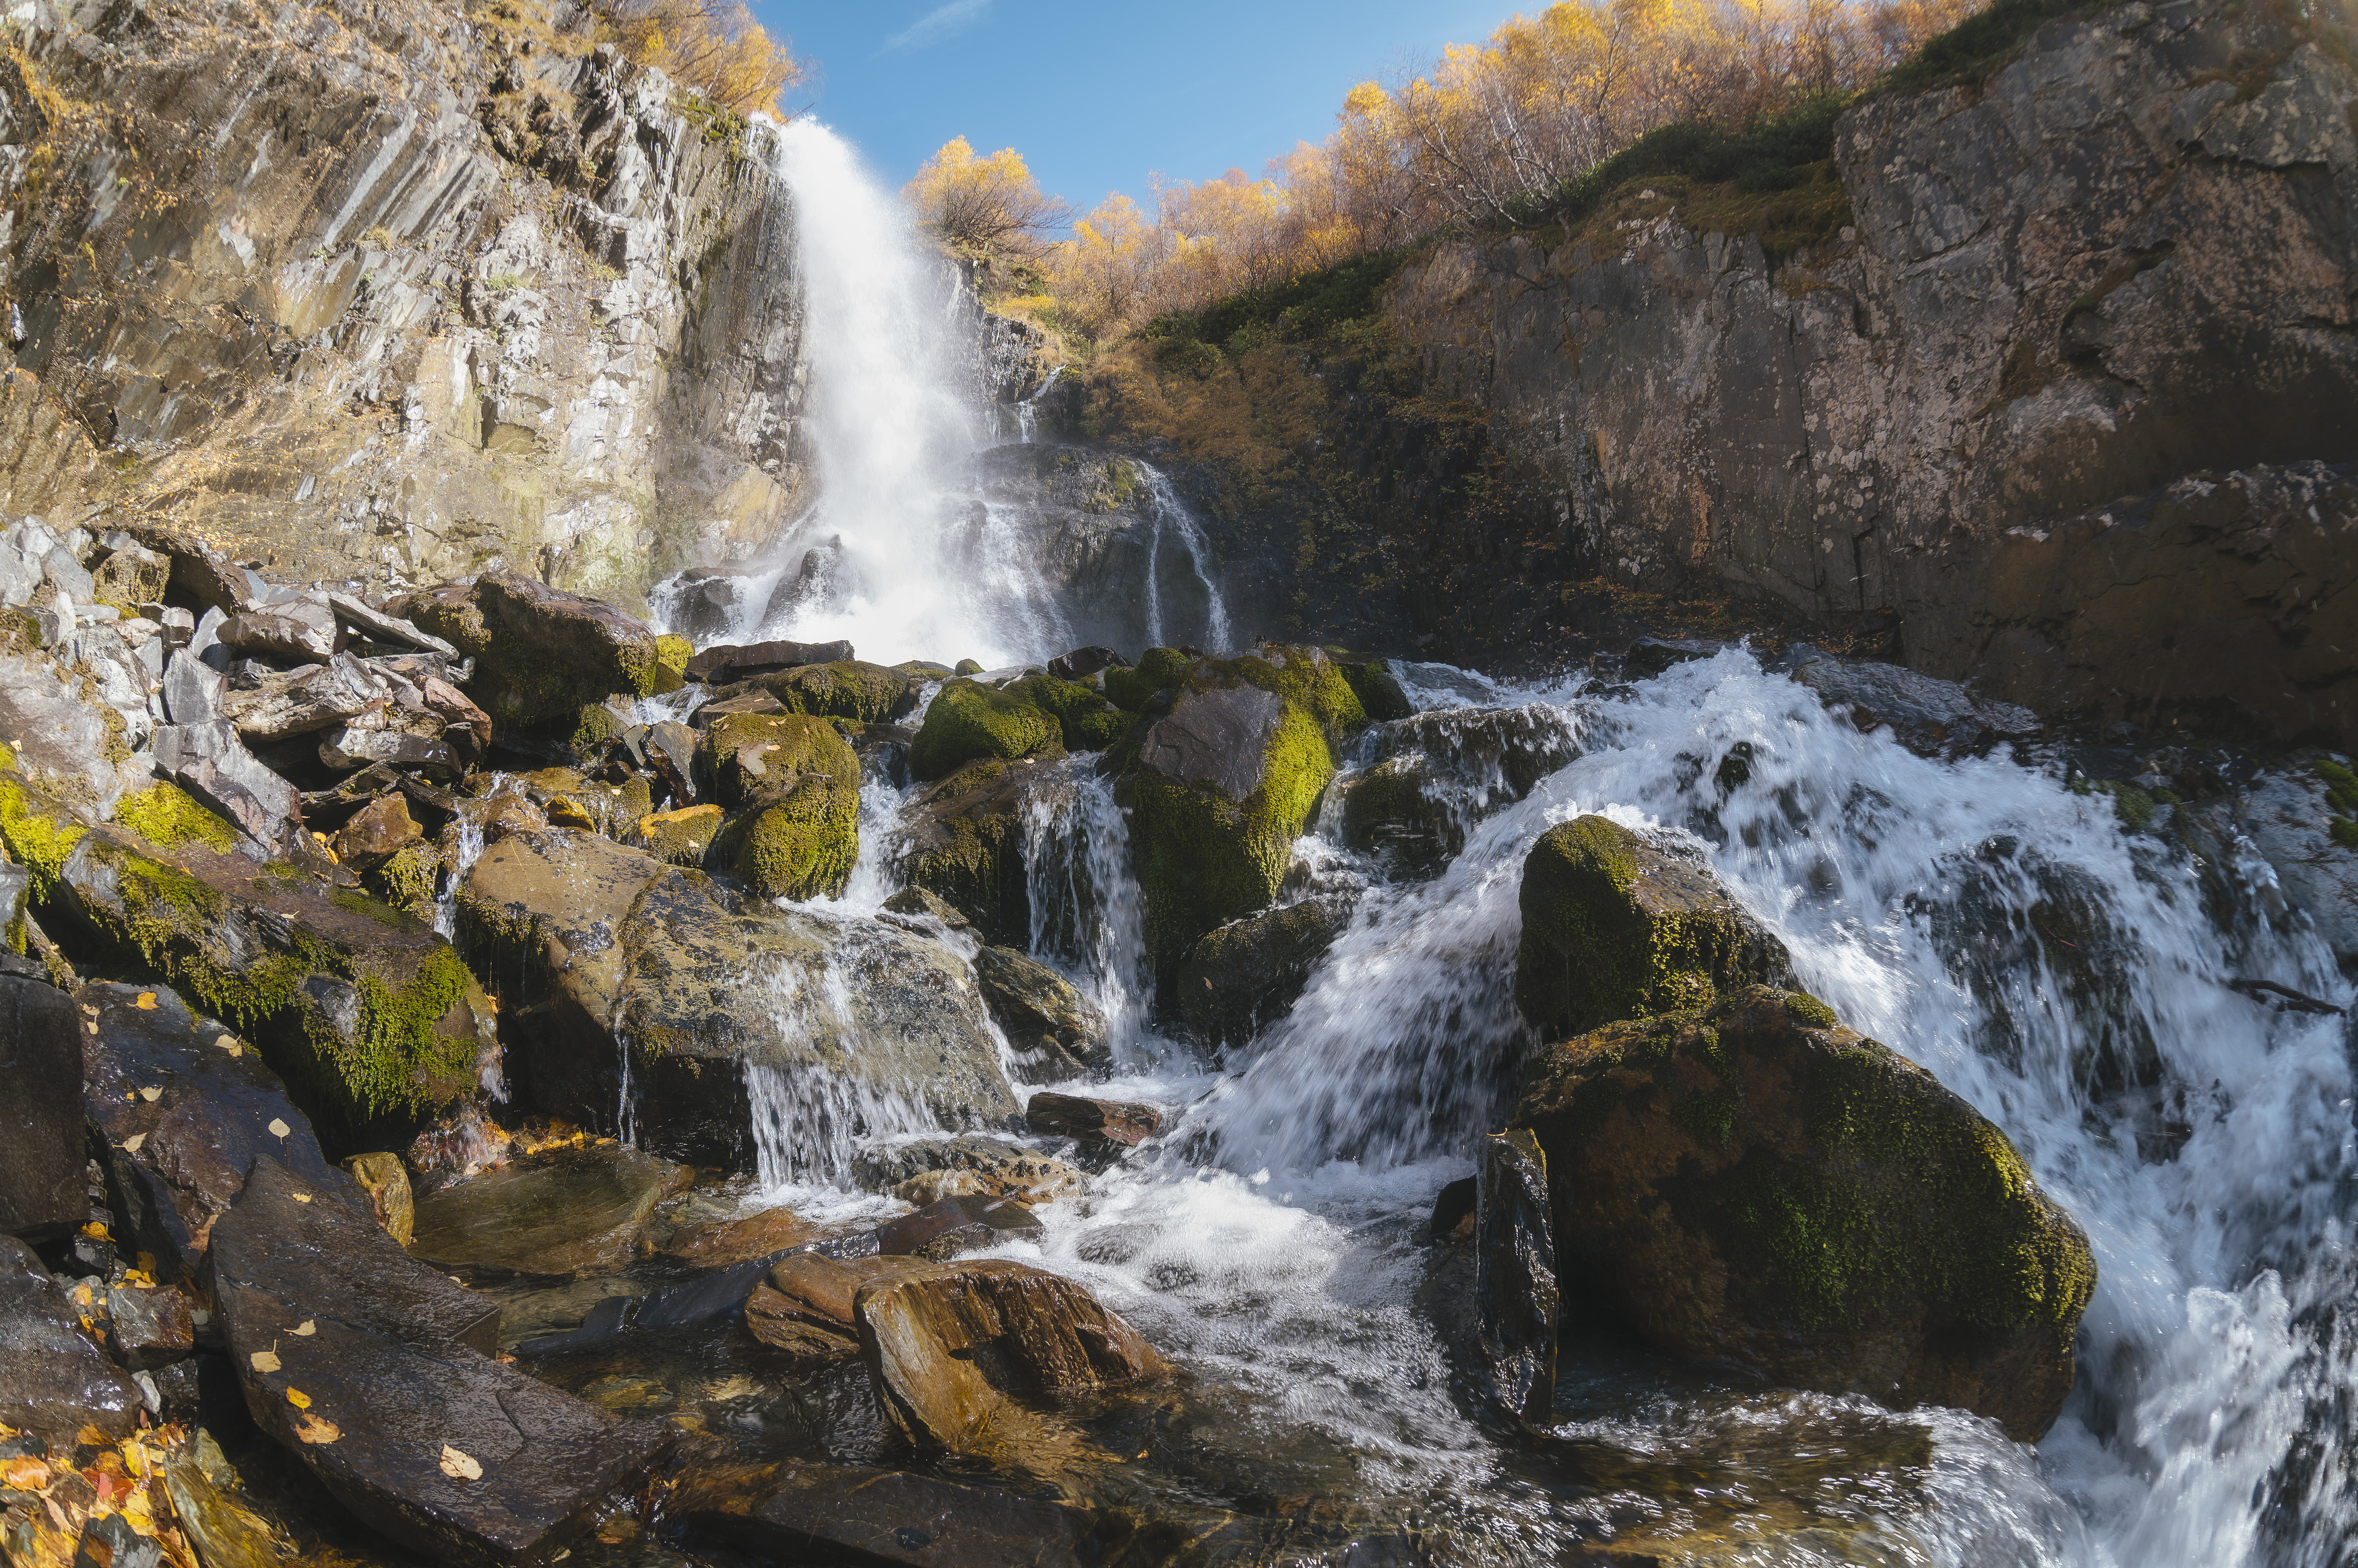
[[941, 22]]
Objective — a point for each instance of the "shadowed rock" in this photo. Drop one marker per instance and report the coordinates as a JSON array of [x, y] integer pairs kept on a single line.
[[1244, 976], [1514, 1298], [808, 1513], [42, 1160], [1045, 1016], [568, 1211], [730, 664], [53, 1380], [804, 1304]]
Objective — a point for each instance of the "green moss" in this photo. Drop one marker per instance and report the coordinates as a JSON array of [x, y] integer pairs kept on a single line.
[[1204, 859], [799, 841], [1088, 722], [968, 667], [410, 880], [967, 849], [1158, 669], [681, 838], [847, 688], [38, 835], [1303, 676], [968, 720], [747, 752], [672, 654], [1803, 1007], [362, 904], [165, 816], [402, 1050]]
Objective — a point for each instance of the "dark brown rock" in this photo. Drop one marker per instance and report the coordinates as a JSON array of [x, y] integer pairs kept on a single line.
[[1516, 1303], [1059, 1031], [799, 1512], [804, 1304], [1244, 976], [726, 1243], [149, 1328], [1756, 1185], [53, 1380], [730, 664], [963, 841], [955, 1225], [568, 1211], [368, 1365], [375, 833], [42, 1157], [1093, 1123]]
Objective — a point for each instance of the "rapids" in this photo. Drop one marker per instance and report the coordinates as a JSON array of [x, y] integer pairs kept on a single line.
[[2062, 973]]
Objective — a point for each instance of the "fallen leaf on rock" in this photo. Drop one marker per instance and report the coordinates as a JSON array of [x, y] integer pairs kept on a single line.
[[316, 1429], [228, 1044], [460, 1466], [131, 1144], [146, 1002], [24, 1473], [151, 1095], [279, 1129], [300, 1198], [307, 1328], [298, 1398], [264, 1361]]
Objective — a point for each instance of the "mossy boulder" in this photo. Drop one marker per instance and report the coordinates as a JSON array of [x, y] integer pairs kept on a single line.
[[166, 816], [680, 838], [1224, 786], [672, 654], [1306, 678], [797, 838], [970, 721], [366, 1013], [1619, 925], [742, 753], [1087, 722], [540, 653], [1247, 974], [1158, 669], [847, 688], [410, 880], [962, 840], [1755, 1184]]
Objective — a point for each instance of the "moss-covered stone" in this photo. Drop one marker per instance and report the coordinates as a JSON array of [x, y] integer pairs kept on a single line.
[[1158, 669], [968, 667], [968, 721], [1306, 678], [745, 753], [868, 694], [680, 838], [165, 816], [1750, 1186], [597, 731], [963, 842], [540, 653], [38, 832], [672, 654], [1086, 719], [410, 880], [1223, 787], [797, 839], [1616, 927]]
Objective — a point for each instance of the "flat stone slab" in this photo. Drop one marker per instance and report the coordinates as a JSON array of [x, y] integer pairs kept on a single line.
[[799, 1512], [53, 1379], [570, 1211], [366, 1365], [42, 1161]]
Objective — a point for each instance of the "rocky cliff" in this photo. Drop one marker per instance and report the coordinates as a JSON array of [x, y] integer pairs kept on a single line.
[[389, 290]]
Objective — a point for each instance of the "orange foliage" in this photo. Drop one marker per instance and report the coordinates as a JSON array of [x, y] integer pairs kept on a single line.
[[711, 47], [983, 203]]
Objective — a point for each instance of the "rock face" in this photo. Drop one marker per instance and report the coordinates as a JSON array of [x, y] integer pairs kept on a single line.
[[370, 1368], [932, 1333], [42, 1159], [1059, 1031], [53, 1380], [702, 991], [1752, 1182], [1936, 416], [1617, 926], [562, 295]]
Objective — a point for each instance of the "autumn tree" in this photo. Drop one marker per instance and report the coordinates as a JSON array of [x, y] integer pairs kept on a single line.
[[983, 203], [1101, 276], [711, 47]]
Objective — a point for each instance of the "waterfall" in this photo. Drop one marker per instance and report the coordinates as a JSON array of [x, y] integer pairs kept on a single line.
[[1173, 514], [1086, 914]]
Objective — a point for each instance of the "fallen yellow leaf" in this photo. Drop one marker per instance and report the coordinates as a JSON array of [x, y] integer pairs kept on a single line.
[[131, 1144], [317, 1428], [146, 1002], [264, 1361], [300, 1198], [298, 1398], [151, 1095], [307, 1328], [460, 1466], [227, 1043]]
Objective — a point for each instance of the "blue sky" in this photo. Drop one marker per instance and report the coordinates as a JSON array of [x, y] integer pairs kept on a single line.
[[1096, 96]]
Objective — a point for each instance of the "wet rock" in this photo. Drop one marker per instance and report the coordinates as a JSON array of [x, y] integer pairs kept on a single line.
[[1105, 1128], [968, 721], [670, 749], [916, 906], [385, 1182], [149, 1328], [962, 840], [2303, 821], [1378, 684], [950, 1343], [681, 838], [796, 784], [206, 1501], [1059, 1031], [950, 1225], [1754, 1183], [724, 1244], [1084, 662], [565, 1211], [1930, 716], [402, 1415], [42, 1158], [375, 833], [1435, 775], [1245, 975], [926, 1170], [366, 1011], [1516, 1303], [1453, 1209], [300, 628], [804, 1304], [801, 1511], [540, 653], [184, 1107], [706, 992], [753, 701], [53, 1380], [1650, 657], [730, 664], [299, 702], [109, 1542], [460, 716], [1619, 925], [846, 688]]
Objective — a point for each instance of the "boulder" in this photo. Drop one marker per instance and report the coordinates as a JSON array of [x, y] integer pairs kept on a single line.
[[925, 1171], [365, 1010], [299, 627], [540, 653], [375, 833], [1085, 719], [962, 840], [968, 721], [210, 762], [705, 991], [1244, 976], [926, 913], [58, 731], [148, 1328], [385, 1181], [42, 1158], [681, 838], [732, 663], [846, 688], [375, 625], [804, 1304], [1619, 925], [1755, 1184], [947, 1227], [295, 702], [724, 1244], [568, 1211], [1930, 716], [801, 1511], [194, 692], [1059, 1031], [950, 1345], [796, 785], [374, 1370], [362, 743], [53, 1380], [1082, 663], [1104, 1130], [1434, 776], [185, 1107], [1225, 785], [1516, 1302]]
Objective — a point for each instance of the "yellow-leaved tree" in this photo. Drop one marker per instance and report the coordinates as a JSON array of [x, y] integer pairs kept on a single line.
[[1099, 276], [711, 47], [983, 203]]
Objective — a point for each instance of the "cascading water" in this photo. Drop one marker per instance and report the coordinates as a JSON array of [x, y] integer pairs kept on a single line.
[[1172, 515]]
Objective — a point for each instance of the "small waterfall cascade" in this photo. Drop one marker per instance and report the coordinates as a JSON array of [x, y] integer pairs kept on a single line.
[[1086, 914], [1173, 519], [1027, 411]]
